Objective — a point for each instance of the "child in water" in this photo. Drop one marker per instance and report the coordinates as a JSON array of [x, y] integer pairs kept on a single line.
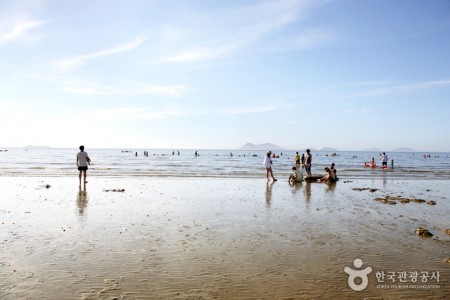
[[372, 164], [293, 176]]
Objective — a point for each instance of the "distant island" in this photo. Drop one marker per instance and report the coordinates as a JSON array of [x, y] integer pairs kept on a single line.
[[329, 149], [266, 146]]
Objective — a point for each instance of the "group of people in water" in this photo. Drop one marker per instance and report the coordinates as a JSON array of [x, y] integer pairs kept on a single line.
[[305, 162], [384, 162]]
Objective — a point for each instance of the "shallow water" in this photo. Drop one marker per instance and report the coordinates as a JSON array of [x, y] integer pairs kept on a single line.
[[194, 238], [216, 163]]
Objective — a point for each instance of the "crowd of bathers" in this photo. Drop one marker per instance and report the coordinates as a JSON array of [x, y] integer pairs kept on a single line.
[[304, 162]]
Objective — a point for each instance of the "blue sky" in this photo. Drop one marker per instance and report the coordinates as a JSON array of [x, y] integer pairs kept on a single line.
[[348, 74]]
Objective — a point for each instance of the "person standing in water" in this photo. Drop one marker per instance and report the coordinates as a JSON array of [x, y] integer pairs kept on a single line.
[[83, 161], [384, 160], [297, 160], [268, 164], [308, 162]]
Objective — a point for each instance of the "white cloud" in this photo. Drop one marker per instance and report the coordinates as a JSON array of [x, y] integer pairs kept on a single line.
[[402, 88], [141, 113], [140, 88], [210, 37], [19, 30], [82, 59], [125, 89], [232, 111], [194, 55], [120, 87], [129, 113]]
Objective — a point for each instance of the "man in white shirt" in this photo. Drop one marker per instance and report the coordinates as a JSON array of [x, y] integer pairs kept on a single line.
[[83, 161]]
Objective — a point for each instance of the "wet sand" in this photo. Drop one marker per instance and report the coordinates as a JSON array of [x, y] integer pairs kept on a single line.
[[201, 238]]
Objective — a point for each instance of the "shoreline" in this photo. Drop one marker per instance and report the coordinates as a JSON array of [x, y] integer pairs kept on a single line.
[[255, 176], [215, 238]]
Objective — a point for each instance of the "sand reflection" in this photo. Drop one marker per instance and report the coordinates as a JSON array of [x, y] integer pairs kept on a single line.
[[196, 238], [82, 200], [307, 191], [268, 193], [295, 187], [331, 186]]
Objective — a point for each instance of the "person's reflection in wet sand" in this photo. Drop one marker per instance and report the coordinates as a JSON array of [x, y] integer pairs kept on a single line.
[[307, 191], [82, 199], [331, 186], [384, 180], [268, 193], [295, 187]]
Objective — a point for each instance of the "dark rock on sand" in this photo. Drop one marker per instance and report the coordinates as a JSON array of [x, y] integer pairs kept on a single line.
[[385, 201], [365, 189], [423, 232], [395, 198], [418, 200], [389, 199], [115, 190]]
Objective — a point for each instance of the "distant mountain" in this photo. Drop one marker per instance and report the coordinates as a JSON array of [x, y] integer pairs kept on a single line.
[[266, 146], [328, 149], [403, 149]]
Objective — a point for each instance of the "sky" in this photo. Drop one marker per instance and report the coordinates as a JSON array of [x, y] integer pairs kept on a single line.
[[204, 74]]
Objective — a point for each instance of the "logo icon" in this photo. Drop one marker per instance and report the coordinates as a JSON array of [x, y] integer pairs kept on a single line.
[[353, 274]]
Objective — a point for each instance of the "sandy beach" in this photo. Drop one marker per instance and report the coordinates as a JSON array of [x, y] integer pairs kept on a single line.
[[205, 238]]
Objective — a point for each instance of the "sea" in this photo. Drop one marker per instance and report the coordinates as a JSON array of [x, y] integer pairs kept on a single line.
[[49, 162]]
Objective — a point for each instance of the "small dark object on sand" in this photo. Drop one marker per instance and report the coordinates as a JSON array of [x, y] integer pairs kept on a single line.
[[431, 202], [372, 190], [423, 232], [418, 200], [360, 189], [115, 190], [385, 201]]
